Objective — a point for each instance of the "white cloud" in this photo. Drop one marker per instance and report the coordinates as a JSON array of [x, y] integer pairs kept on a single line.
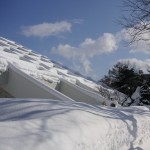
[[137, 64], [82, 54], [46, 29], [140, 46], [87, 49]]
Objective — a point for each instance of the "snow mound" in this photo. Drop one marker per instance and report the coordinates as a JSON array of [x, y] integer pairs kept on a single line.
[[58, 125]]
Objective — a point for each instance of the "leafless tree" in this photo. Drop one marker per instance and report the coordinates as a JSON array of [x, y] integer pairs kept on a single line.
[[137, 20]]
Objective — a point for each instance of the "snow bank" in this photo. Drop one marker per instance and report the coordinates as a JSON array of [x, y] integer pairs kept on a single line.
[[57, 125]]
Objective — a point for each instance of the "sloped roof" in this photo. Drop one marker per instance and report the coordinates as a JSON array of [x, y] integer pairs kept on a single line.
[[37, 65], [40, 67]]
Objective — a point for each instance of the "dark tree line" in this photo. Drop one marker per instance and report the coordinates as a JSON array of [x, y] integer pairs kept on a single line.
[[126, 80]]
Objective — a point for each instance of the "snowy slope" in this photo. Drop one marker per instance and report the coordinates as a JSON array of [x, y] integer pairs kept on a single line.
[[41, 68], [37, 65], [58, 125], [40, 124]]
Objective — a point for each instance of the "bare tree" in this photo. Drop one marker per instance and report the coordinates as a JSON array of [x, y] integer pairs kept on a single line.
[[137, 20]]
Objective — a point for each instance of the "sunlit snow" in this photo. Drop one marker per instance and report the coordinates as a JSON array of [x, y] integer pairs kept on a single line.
[[58, 125], [42, 124]]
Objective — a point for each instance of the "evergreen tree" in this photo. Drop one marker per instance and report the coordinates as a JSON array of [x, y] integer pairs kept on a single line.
[[145, 91], [124, 79]]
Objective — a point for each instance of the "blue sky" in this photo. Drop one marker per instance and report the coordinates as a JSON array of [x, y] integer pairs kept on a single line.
[[81, 34]]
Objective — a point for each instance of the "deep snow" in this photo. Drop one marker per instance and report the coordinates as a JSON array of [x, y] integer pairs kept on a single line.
[[58, 125], [39, 124]]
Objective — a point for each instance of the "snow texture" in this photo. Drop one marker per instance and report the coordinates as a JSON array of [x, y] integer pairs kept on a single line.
[[59, 125], [3, 65], [43, 69], [28, 124]]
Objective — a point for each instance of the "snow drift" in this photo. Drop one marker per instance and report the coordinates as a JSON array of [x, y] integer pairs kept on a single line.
[[58, 125], [41, 124]]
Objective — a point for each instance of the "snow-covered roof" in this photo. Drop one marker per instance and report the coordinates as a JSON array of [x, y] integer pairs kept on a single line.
[[42, 68]]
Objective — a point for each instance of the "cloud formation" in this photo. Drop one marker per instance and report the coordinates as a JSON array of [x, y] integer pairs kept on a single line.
[[105, 44], [89, 48], [46, 29], [82, 54], [139, 46], [137, 64]]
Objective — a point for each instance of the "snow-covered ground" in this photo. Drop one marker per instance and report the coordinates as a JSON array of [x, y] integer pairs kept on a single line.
[[42, 124], [57, 125]]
